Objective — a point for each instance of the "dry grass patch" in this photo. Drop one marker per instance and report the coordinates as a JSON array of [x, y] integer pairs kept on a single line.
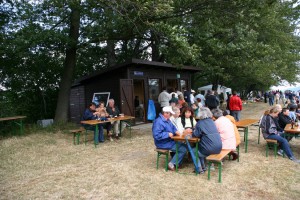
[[49, 166]]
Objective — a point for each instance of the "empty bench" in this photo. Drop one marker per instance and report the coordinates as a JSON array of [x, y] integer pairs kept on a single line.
[[217, 158], [76, 134]]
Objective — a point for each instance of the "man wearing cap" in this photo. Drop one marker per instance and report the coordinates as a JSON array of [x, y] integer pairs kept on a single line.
[[163, 130]]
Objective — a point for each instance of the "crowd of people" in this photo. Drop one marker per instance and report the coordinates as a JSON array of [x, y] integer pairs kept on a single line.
[[285, 98], [215, 127], [100, 112]]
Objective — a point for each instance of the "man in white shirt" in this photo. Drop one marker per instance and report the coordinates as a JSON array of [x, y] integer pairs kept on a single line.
[[164, 98], [192, 97]]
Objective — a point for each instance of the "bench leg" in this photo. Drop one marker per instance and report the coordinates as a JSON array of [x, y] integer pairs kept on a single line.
[[258, 135], [209, 165], [267, 150], [74, 135], [157, 160], [220, 171], [246, 139], [238, 151], [275, 150], [77, 137], [167, 160]]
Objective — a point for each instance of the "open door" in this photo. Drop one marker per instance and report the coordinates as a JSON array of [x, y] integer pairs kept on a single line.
[[126, 86]]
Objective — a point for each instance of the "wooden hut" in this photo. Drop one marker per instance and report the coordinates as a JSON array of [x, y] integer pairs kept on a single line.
[[125, 81]]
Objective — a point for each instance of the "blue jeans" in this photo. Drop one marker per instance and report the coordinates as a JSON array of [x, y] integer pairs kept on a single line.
[[236, 114], [182, 148], [201, 157], [283, 143], [100, 131], [271, 101]]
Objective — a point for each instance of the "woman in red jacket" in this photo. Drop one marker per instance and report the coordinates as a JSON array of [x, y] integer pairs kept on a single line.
[[235, 106]]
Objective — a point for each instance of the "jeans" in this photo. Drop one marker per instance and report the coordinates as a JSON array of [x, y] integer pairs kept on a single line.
[[201, 157], [283, 143], [100, 131], [182, 148], [271, 101], [236, 114]]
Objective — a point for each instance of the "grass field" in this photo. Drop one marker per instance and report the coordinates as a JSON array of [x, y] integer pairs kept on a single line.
[[46, 165]]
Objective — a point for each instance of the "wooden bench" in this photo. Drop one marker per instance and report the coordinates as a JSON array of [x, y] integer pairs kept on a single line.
[[165, 153], [273, 143], [76, 134], [217, 158]]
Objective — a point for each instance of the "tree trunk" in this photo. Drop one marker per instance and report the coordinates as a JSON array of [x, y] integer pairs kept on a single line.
[[111, 54], [155, 46], [62, 107]]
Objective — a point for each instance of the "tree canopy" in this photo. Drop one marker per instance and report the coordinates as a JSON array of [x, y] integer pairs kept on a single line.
[[46, 44]]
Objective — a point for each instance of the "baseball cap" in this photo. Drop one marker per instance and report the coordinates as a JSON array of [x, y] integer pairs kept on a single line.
[[192, 91], [168, 109]]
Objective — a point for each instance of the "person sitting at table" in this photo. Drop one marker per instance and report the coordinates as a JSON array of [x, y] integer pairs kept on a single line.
[[226, 130], [163, 130], [236, 133], [269, 131], [103, 114], [284, 118], [187, 118], [292, 112], [91, 114], [113, 111], [210, 139], [176, 121]]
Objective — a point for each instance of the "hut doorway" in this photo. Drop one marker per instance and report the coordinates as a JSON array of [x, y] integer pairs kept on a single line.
[[139, 100]]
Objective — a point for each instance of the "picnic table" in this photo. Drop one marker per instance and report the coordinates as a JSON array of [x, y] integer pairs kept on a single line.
[[109, 120], [244, 124], [16, 120], [181, 138], [293, 132]]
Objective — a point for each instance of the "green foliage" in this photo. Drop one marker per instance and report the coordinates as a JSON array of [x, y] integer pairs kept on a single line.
[[243, 44]]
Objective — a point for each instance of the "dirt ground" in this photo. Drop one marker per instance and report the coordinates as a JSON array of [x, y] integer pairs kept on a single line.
[[47, 165]]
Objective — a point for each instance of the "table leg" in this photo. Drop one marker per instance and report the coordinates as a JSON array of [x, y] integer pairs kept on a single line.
[[246, 139], [197, 157], [176, 156], [96, 135]]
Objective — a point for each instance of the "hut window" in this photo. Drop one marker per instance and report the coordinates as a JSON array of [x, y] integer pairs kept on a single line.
[[154, 88]]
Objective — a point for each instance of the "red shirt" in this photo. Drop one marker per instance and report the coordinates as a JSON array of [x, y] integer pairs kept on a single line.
[[235, 103]]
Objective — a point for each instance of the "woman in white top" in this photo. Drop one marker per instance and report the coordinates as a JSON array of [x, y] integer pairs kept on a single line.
[[187, 118]]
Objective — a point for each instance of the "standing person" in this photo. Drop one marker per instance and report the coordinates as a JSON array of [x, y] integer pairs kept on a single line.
[[265, 96], [211, 100], [271, 98], [277, 97], [163, 130], [269, 131], [187, 96], [210, 139], [178, 92], [192, 97], [91, 114], [113, 110], [138, 107], [201, 96], [235, 106], [164, 97]]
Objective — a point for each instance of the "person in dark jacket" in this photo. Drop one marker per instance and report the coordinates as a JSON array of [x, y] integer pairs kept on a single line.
[[269, 131], [187, 96], [211, 101], [284, 118], [91, 114], [210, 139]]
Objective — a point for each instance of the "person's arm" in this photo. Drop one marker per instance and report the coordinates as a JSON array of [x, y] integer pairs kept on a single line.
[[197, 132], [159, 132]]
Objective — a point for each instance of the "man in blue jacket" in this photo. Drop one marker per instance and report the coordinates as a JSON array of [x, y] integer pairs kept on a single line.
[[163, 130], [90, 114]]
